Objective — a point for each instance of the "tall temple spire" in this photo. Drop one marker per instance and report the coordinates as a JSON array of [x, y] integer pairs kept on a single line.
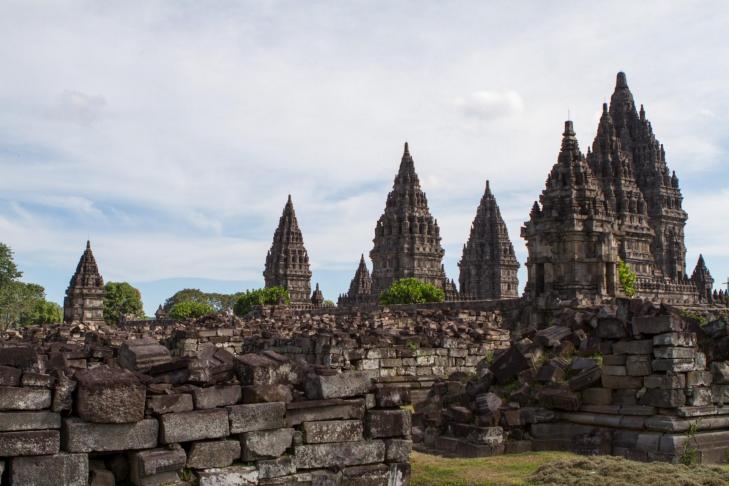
[[84, 301], [407, 237], [287, 262], [704, 282], [360, 288], [488, 267]]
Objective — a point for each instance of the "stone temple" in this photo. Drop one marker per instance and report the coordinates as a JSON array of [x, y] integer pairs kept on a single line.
[[287, 262], [618, 203], [489, 265], [407, 237], [84, 301]]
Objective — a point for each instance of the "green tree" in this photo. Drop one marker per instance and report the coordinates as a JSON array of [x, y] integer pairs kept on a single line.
[[268, 296], [185, 295], [411, 291], [21, 303], [42, 312], [627, 278], [190, 309], [121, 299], [8, 270]]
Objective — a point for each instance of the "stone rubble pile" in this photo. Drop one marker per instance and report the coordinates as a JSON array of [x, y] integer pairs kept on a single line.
[[629, 379], [76, 414]]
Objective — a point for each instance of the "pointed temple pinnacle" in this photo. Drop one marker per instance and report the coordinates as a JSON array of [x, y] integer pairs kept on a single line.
[[604, 108], [569, 130], [621, 81], [88, 244], [406, 151]]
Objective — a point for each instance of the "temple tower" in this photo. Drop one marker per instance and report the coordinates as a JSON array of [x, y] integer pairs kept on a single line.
[[317, 297], [407, 237], [84, 301], [360, 288], [287, 262], [573, 253], [614, 169], [488, 265], [703, 281], [659, 186]]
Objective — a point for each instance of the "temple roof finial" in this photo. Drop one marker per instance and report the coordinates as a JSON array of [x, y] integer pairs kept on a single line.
[[406, 151], [621, 81]]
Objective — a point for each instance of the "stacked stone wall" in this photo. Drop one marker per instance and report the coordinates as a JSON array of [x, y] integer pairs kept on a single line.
[[628, 379], [90, 413]]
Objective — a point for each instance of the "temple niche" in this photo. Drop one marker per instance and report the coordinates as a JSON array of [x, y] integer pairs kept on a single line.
[[407, 239], [287, 262], [488, 267], [84, 300], [619, 203]]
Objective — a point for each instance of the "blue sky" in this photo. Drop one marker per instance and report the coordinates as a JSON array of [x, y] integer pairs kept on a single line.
[[170, 133]]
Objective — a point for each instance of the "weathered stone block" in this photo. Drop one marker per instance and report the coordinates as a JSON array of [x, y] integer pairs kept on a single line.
[[264, 444], [392, 397], [644, 346], [315, 410], [9, 376], [658, 324], [313, 456], [597, 396], [17, 398], [175, 403], [676, 365], [341, 385], [213, 454], [699, 378], [398, 450], [667, 381], [388, 423], [559, 398], [638, 365], [63, 393], [12, 421], [39, 380], [197, 425], [622, 382], [267, 393], [673, 352], [687, 339], [257, 369], [216, 396], [699, 396], [663, 398], [332, 431], [369, 475], [65, 469], [80, 436], [611, 328], [23, 357], [142, 354], [29, 443], [229, 476], [720, 372], [586, 378], [256, 416], [615, 370], [110, 395], [148, 467], [276, 468]]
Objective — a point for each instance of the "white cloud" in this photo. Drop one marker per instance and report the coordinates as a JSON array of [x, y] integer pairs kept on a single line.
[[491, 105], [77, 107]]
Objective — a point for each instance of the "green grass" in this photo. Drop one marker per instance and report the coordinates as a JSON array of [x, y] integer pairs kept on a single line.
[[508, 469], [556, 469]]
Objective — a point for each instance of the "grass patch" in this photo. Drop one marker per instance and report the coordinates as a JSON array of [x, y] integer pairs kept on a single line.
[[615, 471], [509, 469], [552, 468]]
